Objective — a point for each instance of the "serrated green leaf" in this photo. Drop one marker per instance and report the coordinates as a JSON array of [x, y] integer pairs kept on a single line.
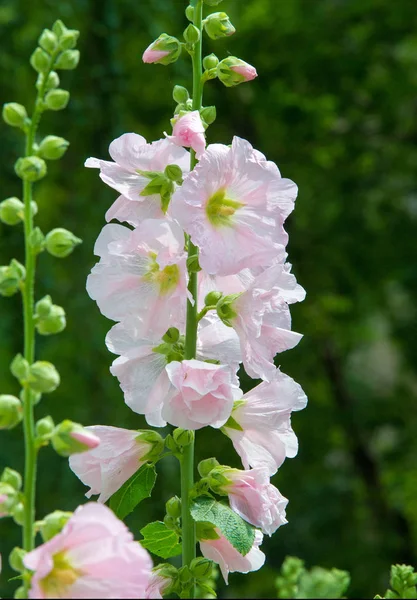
[[133, 491], [160, 540], [239, 533]]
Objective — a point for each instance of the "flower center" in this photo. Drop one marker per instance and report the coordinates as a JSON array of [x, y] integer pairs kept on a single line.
[[167, 279], [221, 209], [62, 576]]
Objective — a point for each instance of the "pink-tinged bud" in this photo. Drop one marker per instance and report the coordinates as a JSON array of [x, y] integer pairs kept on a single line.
[[71, 438], [233, 71], [188, 131], [86, 438], [163, 51]]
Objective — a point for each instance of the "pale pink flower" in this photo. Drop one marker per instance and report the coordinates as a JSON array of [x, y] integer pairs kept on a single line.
[[141, 272], [260, 427], [120, 454], [253, 497], [262, 319], [133, 157], [188, 131], [94, 556], [152, 56], [229, 559], [233, 205], [201, 394]]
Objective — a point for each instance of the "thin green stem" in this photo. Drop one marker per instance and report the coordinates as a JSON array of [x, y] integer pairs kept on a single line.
[[187, 460]]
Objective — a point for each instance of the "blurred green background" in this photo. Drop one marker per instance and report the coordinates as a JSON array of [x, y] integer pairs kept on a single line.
[[335, 106]]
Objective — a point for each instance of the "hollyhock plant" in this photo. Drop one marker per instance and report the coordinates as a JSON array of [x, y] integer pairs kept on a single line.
[[94, 556], [252, 496], [201, 394], [141, 272], [260, 425], [120, 454], [233, 206], [221, 551], [188, 131], [135, 167]]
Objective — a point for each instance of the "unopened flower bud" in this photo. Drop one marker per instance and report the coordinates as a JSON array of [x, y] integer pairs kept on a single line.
[[170, 522], [12, 211], [201, 568], [43, 306], [68, 60], [212, 298], [12, 477], [72, 438], [163, 51], [210, 62], [37, 241], [20, 368], [68, 39], [43, 377], [208, 114], [18, 513], [180, 94], [171, 336], [59, 28], [174, 173], [57, 99], [53, 524], [14, 114], [44, 427], [35, 397], [20, 593], [218, 479], [53, 147], [8, 499], [218, 25], [225, 308], [55, 322], [11, 411], [173, 507], [189, 13], [30, 168], [40, 60], [48, 40], [52, 81], [183, 437], [191, 34], [11, 278], [207, 465], [16, 557], [61, 242], [233, 71]]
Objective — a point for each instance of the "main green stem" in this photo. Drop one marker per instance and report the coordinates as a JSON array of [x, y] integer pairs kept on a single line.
[[187, 460]]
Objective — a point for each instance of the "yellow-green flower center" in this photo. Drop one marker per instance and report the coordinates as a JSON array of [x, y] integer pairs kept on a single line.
[[220, 209], [167, 279], [62, 576]]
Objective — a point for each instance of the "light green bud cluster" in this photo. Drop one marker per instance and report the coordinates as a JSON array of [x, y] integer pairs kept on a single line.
[[11, 278], [30, 168], [15, 115], [218, 25], [12, 211], [49, 318], [42, 377]]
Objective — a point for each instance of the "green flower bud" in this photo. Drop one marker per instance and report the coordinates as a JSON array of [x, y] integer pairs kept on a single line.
[[12, 477], [184, 574], [18, 513], [68, 39], [35, 397], [170, 522], [20, 368], [225, 308], [12, 211], [54, 523], [30, 168], [8, 499], [37, 241], [212, 298], [61, 242], [68, 60], [207, 465], [208, 114], [53, 147], [218, 479], [173, 507], [72, 438], [11, 278], [218, 25], [183, 437], [48, 40], [40, 60], [180, 94], [201, 568], [232, 71], [20, 593], [43, 377], [59, 28], [210, 62], [52, 81], [55, 322], [212, 2], [174, 173], [57, 99], [43, 307], [166, 44], [44, 427], [16, 557], [191, 34], [189, 13], [11, 411], [171, 336], [154, 439], [14, 114]]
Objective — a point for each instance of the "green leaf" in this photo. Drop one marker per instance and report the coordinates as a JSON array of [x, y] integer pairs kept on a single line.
[[239, 533], [133, 491], [160, 540]]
